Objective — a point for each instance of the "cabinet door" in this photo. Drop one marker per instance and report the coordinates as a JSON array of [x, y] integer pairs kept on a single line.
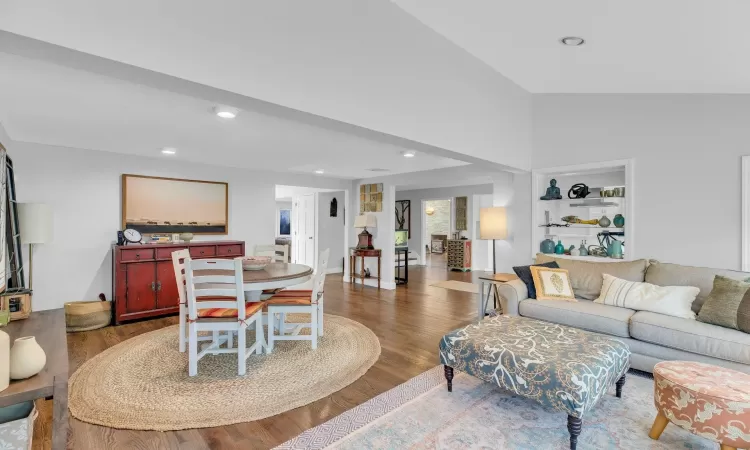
[[166, 293], [141, 282]]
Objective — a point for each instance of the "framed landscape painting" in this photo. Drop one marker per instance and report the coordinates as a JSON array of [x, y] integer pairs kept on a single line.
[[172, 205]]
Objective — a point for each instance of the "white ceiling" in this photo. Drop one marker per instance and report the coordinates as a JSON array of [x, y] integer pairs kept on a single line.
[[46, 103], [634, 46]]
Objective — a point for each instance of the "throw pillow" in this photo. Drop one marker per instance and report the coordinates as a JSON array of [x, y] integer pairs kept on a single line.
[[586, 276], [524, 274], [668, 300], [728, 304], [552, 284]]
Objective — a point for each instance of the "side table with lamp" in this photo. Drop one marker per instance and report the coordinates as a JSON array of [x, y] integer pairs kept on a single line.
[[493, 225]]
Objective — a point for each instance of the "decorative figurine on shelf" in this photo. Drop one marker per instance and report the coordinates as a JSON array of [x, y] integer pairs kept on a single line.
[[547, 246], [604, 222], [559, 249], [553, 192], [582, 250], [578, 190], [619, 221]]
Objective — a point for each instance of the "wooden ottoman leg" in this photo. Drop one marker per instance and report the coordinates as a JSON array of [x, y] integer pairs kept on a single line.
[[449, 377], [660, 423], [726, 447], [574, 428], [618, 386]]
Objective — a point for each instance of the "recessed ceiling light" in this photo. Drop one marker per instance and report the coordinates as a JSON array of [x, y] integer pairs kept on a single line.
[[572, 41], [226, 112], [409, 154], [319, 171], [169, 150]]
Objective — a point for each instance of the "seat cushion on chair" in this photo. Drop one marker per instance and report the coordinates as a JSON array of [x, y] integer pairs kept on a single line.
[[216, 313], [271, 291], [291, 297]]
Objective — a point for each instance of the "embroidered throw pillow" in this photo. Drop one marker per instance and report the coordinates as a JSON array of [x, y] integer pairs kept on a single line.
[[552, 284], [668, 300], [728, 304], [524, 274]]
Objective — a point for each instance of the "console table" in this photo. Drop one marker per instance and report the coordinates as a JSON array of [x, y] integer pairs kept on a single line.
[[355, 253], [48, 327], [143, 276]]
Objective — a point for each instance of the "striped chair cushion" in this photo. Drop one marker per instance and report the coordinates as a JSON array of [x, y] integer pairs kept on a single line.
[[271, 291], [291, 297], [218, 313]]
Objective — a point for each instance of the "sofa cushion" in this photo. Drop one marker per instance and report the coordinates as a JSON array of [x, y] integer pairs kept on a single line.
[[586, 276], [691, 336], [666, 274], [585, 315], [524, 273]]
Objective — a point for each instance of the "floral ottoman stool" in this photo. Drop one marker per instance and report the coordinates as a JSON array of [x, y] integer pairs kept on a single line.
[[710, 401], [562, 368]]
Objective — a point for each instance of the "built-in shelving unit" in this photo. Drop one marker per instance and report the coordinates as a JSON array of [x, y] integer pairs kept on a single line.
[[598, 177]]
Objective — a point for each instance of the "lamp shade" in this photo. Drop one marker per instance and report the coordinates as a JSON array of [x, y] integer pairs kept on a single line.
[[35, 223], [365, 220], [493, 223]]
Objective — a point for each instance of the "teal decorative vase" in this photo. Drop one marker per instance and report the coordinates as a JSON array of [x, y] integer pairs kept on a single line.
[[619, 221], [559, 249], [547, 246], [614, 250]]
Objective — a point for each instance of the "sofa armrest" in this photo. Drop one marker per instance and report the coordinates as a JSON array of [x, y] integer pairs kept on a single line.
[[511, 294]]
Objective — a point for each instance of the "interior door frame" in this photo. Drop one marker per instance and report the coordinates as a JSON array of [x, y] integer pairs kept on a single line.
[[451, 224]]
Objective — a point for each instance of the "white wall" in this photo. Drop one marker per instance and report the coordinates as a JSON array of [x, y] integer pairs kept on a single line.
[[83, 188], [687, 151], [417, 195], [331, 229]]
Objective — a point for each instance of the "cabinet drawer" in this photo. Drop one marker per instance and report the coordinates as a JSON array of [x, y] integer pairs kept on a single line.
[[206, 251], [166, 253], [137, 255], [230, 250]]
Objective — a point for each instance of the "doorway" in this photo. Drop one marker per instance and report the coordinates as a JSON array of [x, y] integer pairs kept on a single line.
[[437, 223]]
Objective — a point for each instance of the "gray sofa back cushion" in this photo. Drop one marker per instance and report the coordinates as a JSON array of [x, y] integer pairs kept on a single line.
[[586, 277], [667, 274]]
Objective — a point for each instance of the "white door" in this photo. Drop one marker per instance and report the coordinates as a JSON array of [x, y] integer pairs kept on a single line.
[[307, 231]]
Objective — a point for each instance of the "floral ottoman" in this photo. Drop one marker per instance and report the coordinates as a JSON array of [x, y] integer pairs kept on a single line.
[[563, 368], [710, 401]]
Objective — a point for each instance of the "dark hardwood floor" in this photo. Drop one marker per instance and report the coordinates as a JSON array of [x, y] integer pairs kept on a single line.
[[408, 321]]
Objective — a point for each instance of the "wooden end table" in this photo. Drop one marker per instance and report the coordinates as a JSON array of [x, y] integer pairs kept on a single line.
[[493, 280], [355, 253]]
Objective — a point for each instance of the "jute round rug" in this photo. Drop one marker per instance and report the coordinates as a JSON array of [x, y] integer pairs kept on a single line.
[[142, 383]]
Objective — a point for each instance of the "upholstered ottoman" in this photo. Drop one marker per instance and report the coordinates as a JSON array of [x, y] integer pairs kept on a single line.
[[563, 368], [706, 400]]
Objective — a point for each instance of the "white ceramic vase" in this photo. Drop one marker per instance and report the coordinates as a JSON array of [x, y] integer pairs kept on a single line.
[[4, 360], [27, 358]]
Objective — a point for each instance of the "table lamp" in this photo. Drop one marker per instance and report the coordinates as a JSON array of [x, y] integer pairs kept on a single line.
[[35, 226], [493, 224], [365, 238]]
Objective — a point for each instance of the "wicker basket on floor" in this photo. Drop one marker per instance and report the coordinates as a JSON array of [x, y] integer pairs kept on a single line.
[[85, 316]]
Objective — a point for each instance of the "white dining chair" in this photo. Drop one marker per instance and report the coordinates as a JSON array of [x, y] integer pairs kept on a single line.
[[229, 312], [279, 253], [298, 301]]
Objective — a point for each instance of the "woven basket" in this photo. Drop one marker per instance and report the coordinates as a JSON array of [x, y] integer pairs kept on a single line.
[[85, 316]]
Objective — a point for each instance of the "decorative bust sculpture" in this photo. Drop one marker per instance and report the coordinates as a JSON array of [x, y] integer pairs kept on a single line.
[[553, 192]]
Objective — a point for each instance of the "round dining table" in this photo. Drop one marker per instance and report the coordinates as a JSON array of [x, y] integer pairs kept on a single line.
[[275, 275]]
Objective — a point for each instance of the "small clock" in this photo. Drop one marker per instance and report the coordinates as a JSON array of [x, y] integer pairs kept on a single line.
[[132, 236]]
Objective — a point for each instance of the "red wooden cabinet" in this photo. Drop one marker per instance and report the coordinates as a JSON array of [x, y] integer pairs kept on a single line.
[[143, 276]]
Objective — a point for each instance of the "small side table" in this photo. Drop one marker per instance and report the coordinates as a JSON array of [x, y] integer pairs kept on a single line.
[[402, 251], [493, 280], [355, 253]]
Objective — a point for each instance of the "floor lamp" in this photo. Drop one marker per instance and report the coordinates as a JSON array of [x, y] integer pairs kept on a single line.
[[35, 226], [493, 224]]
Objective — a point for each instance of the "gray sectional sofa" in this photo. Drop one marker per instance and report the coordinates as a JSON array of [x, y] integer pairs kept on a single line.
[[652, 337]]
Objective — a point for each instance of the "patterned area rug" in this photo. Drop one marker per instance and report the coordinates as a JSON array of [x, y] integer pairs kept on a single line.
[[422, 414]]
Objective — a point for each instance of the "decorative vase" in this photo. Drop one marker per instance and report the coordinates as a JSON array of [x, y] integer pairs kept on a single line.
[[575, 252], [186, 237], [4, 360], [614, 250], [604, 222], [619, 221], [559, 249], [547, 246], [582, 251], [26, 358]]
